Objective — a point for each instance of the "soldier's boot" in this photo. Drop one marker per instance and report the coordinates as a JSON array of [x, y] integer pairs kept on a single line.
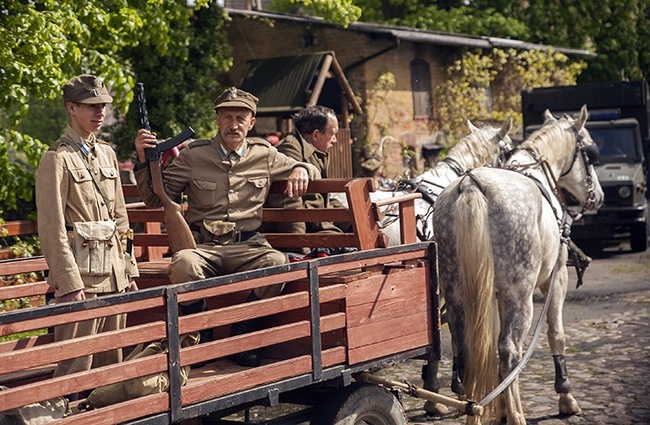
[[247, 358], [205, 334]]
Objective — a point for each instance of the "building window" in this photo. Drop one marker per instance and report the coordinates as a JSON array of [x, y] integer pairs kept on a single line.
[[421, 86]]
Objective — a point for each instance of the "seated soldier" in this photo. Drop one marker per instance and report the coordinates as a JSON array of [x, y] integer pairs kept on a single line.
[[315, 132]]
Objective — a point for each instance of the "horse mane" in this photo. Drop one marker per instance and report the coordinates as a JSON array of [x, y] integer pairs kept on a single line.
[[475, 148], [553, 140]]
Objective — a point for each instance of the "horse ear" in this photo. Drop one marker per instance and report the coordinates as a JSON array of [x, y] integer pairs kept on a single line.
[[507, 127], [582, 118], [548, 117], [472, 127]]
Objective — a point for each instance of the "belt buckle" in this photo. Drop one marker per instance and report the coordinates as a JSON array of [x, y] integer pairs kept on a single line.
[[236, 236]]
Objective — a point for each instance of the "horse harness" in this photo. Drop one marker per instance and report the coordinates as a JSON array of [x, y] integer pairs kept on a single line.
[[564, 222]]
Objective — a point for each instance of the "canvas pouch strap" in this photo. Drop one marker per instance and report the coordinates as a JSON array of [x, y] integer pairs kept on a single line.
[[93, 241]]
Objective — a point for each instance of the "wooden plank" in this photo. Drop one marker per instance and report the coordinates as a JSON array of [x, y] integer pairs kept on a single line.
[[312, 240], [309, 215], [25, 290], [60, 319], [22, 265], [388, 331], [334, 185], [121, 412], [25, 343], [60, 386], [19, 227], [251, 377], [385, 309], [62, 350], [403, 283], [396, 345], [365, 227]]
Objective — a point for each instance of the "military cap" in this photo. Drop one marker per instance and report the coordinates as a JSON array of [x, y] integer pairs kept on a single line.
[[371, 165], [86, 89], [236, 98]]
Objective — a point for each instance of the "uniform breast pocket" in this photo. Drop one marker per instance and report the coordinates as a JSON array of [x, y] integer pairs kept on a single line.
[[205, 192], [109, 181], [81, 190], [256, 188]]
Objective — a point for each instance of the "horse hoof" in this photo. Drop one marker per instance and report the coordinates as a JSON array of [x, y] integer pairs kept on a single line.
[[435, 409], [569, 405]]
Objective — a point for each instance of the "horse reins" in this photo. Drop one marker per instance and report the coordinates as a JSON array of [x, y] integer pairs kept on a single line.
[[565, 231]]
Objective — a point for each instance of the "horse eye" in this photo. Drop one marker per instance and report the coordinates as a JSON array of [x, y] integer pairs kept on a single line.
[[593, 154]]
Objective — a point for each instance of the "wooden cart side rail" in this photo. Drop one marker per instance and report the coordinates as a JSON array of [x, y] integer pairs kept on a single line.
[[311, 324]]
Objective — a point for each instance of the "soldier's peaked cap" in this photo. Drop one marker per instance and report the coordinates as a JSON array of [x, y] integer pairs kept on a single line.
[[236, 98], [86, 89]]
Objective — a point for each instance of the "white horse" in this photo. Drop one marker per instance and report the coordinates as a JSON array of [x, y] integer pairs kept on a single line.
[[501, 233], [482, 146]]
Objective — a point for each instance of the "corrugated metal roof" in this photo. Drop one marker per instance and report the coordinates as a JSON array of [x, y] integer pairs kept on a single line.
[[420, 36], [282, 83]]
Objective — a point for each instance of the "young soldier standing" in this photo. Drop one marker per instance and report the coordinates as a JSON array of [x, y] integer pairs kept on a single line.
[[79, 199]]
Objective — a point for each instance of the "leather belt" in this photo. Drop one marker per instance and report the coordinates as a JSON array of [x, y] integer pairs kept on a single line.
[[231, 237]]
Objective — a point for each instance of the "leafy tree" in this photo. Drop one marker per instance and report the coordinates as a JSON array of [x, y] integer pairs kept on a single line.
[[180, 85], [339, 11], [468, 93], [45, 42]]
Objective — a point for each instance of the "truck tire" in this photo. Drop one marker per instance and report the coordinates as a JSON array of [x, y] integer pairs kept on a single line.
[[639, 237], [360, 403]]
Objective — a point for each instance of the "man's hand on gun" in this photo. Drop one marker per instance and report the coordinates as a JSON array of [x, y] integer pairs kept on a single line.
[[145, 140]]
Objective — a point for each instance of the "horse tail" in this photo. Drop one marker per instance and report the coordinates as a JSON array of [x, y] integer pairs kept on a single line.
[[476, 276]]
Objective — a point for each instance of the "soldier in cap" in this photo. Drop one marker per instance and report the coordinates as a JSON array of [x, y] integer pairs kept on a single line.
[[79, 196], [227, 179], [315, 132], [372, 167]]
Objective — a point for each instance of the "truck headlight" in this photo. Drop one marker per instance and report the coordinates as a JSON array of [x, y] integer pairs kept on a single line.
[[624, 192]]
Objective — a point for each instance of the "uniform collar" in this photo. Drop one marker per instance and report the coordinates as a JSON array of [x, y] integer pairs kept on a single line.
[[84, 144], [225, 151], [308, 148]]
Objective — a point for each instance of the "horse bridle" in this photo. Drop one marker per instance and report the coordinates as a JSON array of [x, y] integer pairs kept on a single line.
[[589, 155]]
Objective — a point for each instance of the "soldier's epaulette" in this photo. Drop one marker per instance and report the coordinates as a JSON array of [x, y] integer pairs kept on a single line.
[[103, 142], [259, 141], [199, 142], [61, 142]]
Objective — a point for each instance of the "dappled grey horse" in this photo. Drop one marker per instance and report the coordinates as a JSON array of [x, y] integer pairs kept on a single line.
[[501, 233]]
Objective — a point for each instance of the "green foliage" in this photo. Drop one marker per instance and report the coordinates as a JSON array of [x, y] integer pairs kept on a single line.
[[43, 43], [470, 93], [19, 157], [179, 86], [617, 30], [338, 11], [466, 20]]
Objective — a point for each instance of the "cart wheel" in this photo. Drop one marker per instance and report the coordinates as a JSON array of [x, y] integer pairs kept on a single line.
[[360, 403]]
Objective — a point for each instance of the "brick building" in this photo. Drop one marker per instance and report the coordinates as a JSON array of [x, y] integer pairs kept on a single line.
[[397, 112]]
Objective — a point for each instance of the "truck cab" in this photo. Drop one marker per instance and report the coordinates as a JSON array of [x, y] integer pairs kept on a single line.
[[622, 174]]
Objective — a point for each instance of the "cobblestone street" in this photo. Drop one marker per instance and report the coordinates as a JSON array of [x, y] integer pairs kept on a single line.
[[608, 361]]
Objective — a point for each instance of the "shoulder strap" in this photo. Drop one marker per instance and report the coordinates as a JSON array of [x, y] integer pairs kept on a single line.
[[99, 187]]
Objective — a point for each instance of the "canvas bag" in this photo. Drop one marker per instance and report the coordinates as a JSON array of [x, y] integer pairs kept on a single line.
[[93, 241], [39, 413], [142, 386]]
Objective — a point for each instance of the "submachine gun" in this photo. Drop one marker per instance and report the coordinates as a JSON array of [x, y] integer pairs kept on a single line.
[[178, 231]]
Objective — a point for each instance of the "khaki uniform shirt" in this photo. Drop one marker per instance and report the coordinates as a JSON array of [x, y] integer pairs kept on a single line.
[[299, 148], [223, 185], [66, 194]]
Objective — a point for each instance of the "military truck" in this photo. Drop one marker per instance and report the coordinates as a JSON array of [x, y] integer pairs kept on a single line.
[[618, 123]]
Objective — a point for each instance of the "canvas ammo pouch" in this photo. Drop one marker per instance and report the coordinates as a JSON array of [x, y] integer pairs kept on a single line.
[[93, 241]]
